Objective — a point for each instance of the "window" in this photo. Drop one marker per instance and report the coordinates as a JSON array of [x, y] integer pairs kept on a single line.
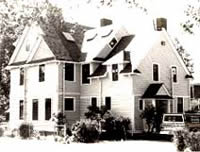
[[35, 109], [94, 102], [41, 73], [174, 74], [108, 103], [69, 71], [21, 79], [155, 72], [115, 72], [69, 104], [47, 109], [180, 105], [85, 73], [140, 104], [113, 42], [21, 109], [162, 43]]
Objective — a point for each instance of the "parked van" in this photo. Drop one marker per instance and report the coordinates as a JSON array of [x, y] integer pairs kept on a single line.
[[177, 121], [172, 122]]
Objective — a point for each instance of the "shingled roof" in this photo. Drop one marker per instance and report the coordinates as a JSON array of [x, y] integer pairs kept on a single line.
[[63, 48]]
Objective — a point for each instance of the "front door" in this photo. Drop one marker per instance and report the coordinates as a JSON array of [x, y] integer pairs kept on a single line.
[[162, 105]]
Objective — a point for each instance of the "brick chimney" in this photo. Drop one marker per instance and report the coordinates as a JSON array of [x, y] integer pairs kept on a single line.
[[105, 22], [160, 23]]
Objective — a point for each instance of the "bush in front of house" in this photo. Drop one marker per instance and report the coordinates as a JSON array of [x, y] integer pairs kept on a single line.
[[111, 127], [153, 117], [1, 132], [185, 139], [114, 127], [85, 131], [26, 130]]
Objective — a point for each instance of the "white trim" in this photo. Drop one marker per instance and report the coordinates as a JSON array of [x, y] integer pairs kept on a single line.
[[174, 50], [19, 44], [163, 85], [74, 104], [74, 72], [155, 63], [70, 93], [34, 49]]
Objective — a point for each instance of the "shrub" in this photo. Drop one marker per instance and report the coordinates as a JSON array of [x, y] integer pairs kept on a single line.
[[1, 132], [26, 130], [85, 131], [153, 117], [185, 139], [116, 128]]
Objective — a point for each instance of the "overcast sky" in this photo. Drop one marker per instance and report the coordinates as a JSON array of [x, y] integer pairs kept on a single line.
[[90, 13]]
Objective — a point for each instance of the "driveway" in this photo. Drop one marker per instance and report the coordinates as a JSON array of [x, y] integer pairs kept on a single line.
[[15, 145]]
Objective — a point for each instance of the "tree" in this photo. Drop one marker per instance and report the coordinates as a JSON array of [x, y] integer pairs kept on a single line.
[[14, 16], [192, 13]]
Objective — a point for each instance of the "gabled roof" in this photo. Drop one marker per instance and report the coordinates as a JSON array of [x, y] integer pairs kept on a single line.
[[121, 46], [63, 48], [153, 91], [56, 40]]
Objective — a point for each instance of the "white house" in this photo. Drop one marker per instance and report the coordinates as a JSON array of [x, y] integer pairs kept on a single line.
[[53, 70]]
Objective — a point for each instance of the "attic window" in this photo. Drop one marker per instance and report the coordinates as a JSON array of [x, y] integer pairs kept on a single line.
[[68, 36], [92, 38], [113, 42], [162, 43], [107, 34]]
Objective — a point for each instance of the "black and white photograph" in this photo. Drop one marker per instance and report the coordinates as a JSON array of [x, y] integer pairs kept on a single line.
[[100, 75]]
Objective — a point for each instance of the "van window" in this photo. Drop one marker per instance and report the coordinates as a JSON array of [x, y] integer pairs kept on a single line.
[[173, 118]]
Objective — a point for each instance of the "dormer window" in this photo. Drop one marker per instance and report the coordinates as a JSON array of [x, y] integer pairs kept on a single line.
[[113, 42]]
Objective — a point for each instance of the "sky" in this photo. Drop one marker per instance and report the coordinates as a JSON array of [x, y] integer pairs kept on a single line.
[[90, 13]]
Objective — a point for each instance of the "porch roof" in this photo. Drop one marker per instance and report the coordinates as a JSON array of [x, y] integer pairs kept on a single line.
[[156, 91]]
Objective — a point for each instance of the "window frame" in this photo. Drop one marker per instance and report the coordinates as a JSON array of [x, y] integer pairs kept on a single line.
[[115, 72], [41, 73], [115, 42], [83, 83], [33, 113], [74, 104], [74, 72], [173, 66], [110, 104], [158, 72]]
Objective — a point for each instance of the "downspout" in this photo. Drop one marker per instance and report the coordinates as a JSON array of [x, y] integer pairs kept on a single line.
[[63, 88], [133, 111], [172, 93], [25, 96]]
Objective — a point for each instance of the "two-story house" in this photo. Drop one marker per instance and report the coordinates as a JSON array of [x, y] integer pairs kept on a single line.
[[53, 70]]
